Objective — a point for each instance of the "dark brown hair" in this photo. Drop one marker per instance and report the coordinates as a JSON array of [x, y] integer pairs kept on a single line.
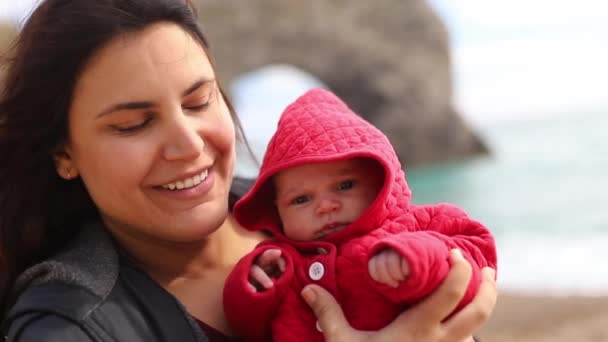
[[39, 211]]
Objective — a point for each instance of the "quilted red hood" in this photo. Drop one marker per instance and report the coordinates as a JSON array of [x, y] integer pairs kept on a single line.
[[319, 127]]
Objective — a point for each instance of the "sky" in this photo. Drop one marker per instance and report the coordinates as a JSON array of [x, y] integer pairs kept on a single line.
[[15, 10], [521, 59], [513, 59]]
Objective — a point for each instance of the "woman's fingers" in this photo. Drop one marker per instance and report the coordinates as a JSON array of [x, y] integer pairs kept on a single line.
[[446, 297], [331, 319], [420, 323], [472, 316]]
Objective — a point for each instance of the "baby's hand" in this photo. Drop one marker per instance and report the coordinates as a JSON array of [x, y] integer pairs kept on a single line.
[[268, 265], [388, 267]]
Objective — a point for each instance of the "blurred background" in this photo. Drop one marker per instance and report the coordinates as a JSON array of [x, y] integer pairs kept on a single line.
[[497, 106]]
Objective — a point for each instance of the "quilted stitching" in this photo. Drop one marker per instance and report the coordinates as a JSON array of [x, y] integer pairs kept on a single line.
[[319, 126]]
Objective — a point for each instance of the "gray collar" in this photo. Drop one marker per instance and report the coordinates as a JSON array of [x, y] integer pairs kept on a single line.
[[90, 261]]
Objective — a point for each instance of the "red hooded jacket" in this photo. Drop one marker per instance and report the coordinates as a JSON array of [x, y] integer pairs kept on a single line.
[[319, 127]]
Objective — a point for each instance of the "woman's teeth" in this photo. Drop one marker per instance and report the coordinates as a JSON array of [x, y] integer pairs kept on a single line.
[[188, 182]]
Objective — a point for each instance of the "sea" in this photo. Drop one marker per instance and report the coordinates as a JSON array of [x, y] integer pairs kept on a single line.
[[542, 191]]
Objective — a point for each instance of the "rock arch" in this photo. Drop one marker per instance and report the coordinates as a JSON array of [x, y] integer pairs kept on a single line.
[[388, 59]]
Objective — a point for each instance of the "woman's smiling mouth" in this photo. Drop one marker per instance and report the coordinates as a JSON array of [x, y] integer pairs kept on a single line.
[[189, 188], [187, 183]]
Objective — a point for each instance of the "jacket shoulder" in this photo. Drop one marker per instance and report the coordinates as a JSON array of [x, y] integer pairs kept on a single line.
[[53, 310], [46, 327], [136, 309]]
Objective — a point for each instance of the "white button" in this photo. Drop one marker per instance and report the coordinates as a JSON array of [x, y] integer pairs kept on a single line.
[[316, 271], [319, 327]]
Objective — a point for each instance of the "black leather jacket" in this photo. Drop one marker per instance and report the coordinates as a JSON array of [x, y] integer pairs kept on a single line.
[[90, 293]]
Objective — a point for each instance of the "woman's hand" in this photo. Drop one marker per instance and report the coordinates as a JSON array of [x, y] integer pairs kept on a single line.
[[423, 322]]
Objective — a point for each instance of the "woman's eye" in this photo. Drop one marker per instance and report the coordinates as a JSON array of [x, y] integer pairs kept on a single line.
[[131, 128], [300, 200], [197, 108], [346, 185]]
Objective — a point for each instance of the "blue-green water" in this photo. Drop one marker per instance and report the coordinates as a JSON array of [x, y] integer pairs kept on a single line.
[[543, 192]]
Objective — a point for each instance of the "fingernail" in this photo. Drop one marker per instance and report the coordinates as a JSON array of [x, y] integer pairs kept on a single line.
[[489, 272], [457, 253], [309, 295]]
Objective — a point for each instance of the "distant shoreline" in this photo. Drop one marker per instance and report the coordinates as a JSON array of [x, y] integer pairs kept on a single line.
[[552, 293]]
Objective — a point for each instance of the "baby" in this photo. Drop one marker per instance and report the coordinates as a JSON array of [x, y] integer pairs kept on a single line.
[[332, 192]]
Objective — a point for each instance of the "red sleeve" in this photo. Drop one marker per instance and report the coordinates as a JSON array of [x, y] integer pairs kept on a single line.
[[438, 229], [250, 313]]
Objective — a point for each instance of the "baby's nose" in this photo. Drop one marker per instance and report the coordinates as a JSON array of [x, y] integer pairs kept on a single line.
[[327, 205]]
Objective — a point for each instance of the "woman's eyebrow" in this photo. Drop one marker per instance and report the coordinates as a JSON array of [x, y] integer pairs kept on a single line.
[[196, 85], [126, 105], [149, 104]]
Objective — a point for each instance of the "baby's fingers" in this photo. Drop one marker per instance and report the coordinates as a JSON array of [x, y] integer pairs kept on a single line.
[[257, 274], [372, 268], [379, 270], [282, 264], [405, 267], [268, 257], [393, 265]]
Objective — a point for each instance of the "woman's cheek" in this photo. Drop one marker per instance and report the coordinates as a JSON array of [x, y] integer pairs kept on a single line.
[[225, 130]]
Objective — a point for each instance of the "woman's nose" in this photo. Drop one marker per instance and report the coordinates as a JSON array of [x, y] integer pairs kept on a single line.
[[327, 205], [183, 141]]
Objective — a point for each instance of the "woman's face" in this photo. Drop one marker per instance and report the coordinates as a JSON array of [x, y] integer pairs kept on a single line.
[[151, 137]]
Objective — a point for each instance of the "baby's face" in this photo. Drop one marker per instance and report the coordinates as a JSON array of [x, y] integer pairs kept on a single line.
[[315, 200]]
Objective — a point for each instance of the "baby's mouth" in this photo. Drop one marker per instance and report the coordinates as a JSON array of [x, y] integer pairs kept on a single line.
[[331, 227]]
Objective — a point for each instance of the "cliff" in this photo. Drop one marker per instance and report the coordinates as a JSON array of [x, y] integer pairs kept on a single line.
[[387, 59]]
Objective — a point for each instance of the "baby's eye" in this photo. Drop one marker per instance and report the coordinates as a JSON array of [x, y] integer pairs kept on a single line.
[[300, 200], [346, 185]]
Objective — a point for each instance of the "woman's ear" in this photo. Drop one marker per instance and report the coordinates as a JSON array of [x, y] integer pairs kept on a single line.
[[64, 164]]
